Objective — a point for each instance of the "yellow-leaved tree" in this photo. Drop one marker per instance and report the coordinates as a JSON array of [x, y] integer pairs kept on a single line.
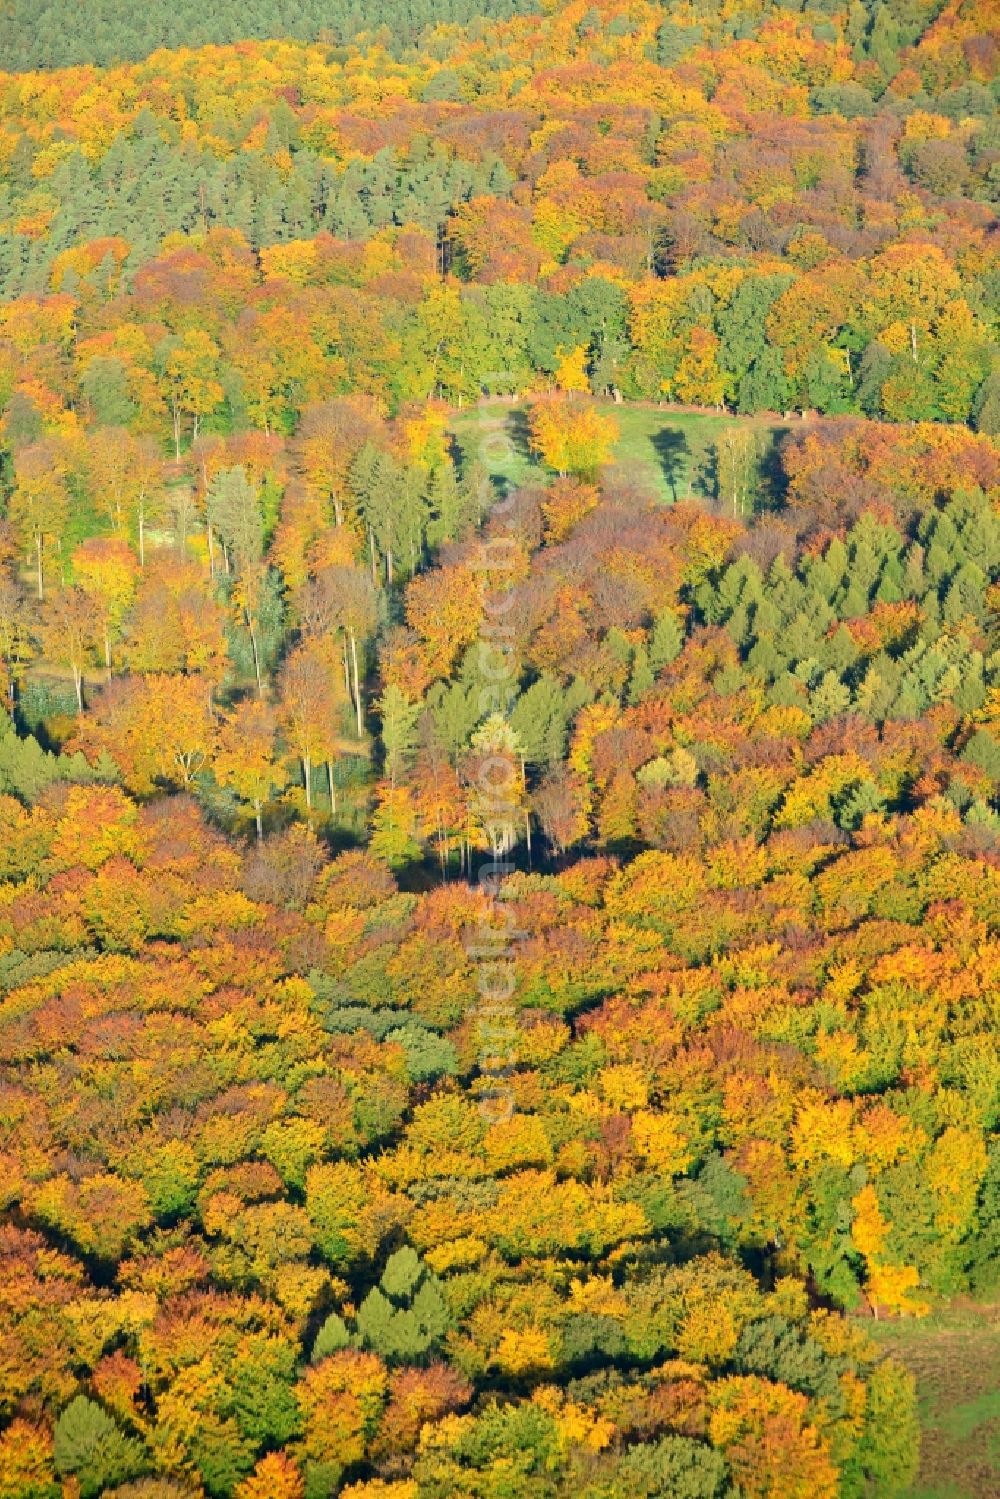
[[572, 434]]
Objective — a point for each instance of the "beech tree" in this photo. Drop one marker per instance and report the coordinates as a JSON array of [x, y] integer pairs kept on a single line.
[[70, 630], [105, 570], [14, 633], [572, 435], [39, 505], [246, 760], [308, 704]]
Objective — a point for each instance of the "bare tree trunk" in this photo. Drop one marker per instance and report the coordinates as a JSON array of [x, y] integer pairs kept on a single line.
[[38, 555], [256, 653], [258, 813], [333, 794], [307, 777], [357, 686], [347, 672]]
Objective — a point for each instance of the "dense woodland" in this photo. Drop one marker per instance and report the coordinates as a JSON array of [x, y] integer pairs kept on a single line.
[[289, 1209], [43, 34]]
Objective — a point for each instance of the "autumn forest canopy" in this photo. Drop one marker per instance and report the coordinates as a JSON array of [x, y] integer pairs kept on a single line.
[[499, 742]]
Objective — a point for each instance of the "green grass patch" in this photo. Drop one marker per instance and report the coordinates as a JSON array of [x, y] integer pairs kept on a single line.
[[670, 451], [955, 1357], [496, 435]]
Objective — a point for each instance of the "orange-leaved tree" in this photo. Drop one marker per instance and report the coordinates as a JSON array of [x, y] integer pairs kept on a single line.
[[572, 434]]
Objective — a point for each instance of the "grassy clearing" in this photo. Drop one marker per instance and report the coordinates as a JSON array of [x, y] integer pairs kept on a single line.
[[664, 448], [955, 1356], [496, 435]]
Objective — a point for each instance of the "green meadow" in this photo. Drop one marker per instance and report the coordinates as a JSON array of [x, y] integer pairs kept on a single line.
[[668, 450], [955, 1356]]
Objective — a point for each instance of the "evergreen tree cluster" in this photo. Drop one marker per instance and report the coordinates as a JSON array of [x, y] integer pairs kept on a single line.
[[46, 34], [793, 626], [147, 187]]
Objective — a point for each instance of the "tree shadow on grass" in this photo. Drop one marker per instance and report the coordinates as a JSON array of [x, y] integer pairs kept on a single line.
[[518, 431], [503, 445], [774, 480], [674, 451]]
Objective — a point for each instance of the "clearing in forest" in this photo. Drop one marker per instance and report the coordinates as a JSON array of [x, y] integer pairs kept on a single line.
[[673, 450], [955, 1356]]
